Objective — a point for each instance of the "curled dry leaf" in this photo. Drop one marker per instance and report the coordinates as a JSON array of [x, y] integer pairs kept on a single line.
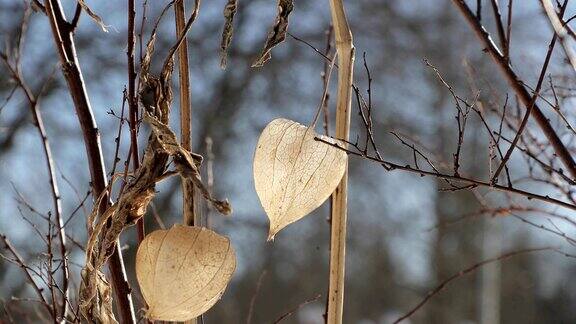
[[183, 271], [278, 32], [229, 12], [184, 161], [294, 173], [93, 15]]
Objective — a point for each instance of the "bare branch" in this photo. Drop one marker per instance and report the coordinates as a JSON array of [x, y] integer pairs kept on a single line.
[[461, 273], [516, 84]]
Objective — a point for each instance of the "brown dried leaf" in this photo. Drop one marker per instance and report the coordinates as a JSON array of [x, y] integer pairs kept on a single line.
[[184, 161], [145, 64], [229, 12], [183, 271], [293, 173], [93, 15], [278, 32]]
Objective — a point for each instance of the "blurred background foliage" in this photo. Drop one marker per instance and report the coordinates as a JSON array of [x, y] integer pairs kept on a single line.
[[395, 255]]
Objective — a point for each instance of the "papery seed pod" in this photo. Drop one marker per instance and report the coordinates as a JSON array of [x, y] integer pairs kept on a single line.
[[183, 271], [293, 172]]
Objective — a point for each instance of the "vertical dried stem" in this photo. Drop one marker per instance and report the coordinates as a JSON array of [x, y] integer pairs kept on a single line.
[[63, 34], [189, 215], [185, 110], [325, 81], [132, 102], [326, 113], [345, 49], [209, 177]]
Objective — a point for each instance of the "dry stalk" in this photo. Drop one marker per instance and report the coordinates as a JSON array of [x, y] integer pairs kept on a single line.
[[189, 215], [185, 109], [345, 49], [63, 34], [132, 101]]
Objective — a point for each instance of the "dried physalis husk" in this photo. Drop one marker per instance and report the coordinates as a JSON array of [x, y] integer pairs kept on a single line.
[[183, 271], [294, 173]]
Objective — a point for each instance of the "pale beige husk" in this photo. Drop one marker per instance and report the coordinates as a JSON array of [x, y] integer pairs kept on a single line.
[[294, 173], [183, 271]]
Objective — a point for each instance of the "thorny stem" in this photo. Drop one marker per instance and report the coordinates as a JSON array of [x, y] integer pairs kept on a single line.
[[64, 41]]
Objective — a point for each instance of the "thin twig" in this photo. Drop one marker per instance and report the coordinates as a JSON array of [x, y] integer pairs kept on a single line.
[[57, 201], [499, 25], [516, 84], [508, 31], [532, 104], [471, 181], [20, 262], [461, 273], [560, 29], [254, 296], [292, 311]]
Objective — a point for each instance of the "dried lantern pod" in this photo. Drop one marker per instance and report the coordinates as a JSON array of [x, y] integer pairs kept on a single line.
[[293, 172], [183, 271]]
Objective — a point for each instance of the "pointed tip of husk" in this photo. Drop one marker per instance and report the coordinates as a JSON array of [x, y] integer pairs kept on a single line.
[[271, 235]]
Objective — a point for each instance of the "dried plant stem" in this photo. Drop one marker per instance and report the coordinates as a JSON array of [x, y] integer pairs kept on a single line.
[[185, 110], [63, 36], [133, 102], [57, 205], [189, 215], [345, 49]]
